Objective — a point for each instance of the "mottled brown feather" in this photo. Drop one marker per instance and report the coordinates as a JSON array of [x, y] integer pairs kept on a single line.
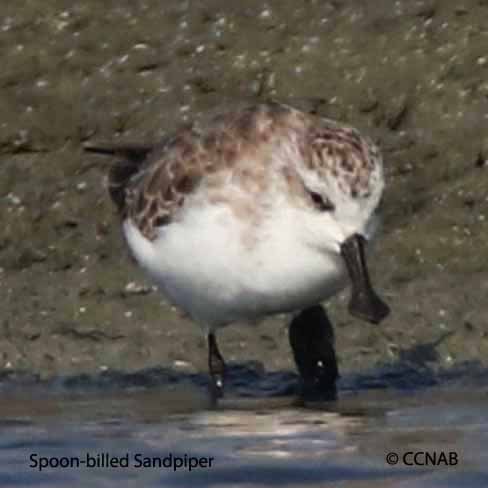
[[151, 186]]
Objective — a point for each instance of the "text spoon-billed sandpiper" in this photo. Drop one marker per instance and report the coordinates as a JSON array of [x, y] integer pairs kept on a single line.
[[257, 211]]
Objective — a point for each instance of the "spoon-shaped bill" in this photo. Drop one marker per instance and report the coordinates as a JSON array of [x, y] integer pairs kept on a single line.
[[365, 303]]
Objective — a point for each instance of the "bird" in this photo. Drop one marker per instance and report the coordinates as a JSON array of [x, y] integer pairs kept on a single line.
[[253, 211]]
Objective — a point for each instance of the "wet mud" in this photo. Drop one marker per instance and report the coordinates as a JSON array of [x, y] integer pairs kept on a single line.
[[413, 76]]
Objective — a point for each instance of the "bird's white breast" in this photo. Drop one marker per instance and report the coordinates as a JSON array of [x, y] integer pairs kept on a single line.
[[219, 270]]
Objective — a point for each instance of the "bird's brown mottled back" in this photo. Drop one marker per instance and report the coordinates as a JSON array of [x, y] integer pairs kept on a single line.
[[154, 197], [151, 186]]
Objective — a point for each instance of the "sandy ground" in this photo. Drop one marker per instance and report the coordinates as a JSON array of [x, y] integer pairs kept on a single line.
[[412, 74]]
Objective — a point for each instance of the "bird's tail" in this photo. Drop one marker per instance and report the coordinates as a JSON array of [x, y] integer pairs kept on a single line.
[[130, 159]]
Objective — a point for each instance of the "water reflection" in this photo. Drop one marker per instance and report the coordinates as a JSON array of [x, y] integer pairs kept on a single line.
[[255, 440]]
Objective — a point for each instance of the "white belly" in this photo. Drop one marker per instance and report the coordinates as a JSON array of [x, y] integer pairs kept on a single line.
[[205, 266]]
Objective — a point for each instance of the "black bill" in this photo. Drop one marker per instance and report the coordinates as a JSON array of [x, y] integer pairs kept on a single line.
[[365, 303]]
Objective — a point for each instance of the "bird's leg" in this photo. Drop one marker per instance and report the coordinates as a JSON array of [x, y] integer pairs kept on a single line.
[[312, 341], [216, 366]]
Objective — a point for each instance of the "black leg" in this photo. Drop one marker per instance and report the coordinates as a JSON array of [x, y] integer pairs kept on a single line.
[[312, 341], [216, 366]]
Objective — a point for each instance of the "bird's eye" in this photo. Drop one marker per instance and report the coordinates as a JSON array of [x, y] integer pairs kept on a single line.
[[321, 203]]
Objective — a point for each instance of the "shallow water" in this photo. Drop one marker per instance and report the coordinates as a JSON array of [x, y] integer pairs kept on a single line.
[[252, 437]]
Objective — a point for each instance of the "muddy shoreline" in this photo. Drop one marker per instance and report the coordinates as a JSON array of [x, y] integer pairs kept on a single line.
[[413, 77]]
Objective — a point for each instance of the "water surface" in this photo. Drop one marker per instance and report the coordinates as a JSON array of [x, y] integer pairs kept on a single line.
[[252, 439]]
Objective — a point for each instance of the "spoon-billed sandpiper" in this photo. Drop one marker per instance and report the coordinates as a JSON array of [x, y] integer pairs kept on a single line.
[[257, 211]]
